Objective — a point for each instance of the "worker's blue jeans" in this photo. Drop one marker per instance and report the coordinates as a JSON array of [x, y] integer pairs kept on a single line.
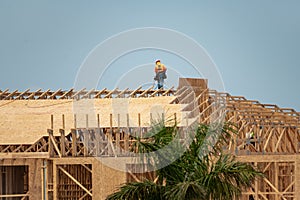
[[160, 81]]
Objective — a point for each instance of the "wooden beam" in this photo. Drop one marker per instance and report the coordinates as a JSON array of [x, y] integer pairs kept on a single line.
[[66, 93], [155, 92], [279, 139], [22, 93], [267, 158], [83, 196], [97, 95], [28, 155], [143, 93], [133, 92], [43, 94], [10, 95], [121, 93], [88, 94], [134, 176], [54, 144], [274, 188], [77, 93], [110, 93], [178, 92], [3, 93], [62, 142], [31, 96], [74, 142], [88, 169], [75, 181], [52, 96], [167, 91], [13, 195]]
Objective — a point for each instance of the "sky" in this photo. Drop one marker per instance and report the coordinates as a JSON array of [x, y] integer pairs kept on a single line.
[[254, 44]]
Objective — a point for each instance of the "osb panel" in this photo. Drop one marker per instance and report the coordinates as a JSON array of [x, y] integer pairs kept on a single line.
[[35, 174], [25, 121], [105, 179], [195, 82], [107, 173]]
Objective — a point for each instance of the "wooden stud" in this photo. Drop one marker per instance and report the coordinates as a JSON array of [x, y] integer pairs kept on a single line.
[[51, 122], [63, 121], [62, 142], [117, 144], [74, 142]]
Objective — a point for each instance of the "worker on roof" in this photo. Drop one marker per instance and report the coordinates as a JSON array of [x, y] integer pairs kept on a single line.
[[160, 73]]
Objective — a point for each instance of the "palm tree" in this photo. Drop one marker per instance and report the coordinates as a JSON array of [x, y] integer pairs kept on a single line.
[[203, 171]]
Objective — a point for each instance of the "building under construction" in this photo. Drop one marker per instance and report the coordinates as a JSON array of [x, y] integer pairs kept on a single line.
[[58, 144]]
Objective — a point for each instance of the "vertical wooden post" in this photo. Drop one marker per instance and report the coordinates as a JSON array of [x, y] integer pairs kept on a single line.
[[98, 120], [256, 185], [55, 180], [51, 148], [126, 136], [110, 136], [297, 175], [50, 133], [98, 137], [85, 142], [118, 146], [62, 142], [62, 137], [74, 142], [139, 119], [86, 136], [52, 121], [296, 139], [63, 121], [139, 124], [74, 137], [44, 173], [276, 173]]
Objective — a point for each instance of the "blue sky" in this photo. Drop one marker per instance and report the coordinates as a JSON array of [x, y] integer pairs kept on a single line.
[[255, 44]]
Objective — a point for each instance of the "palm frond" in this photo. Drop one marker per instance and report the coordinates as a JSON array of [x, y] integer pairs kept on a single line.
[[139, 191], [186, 190], [228, 177]]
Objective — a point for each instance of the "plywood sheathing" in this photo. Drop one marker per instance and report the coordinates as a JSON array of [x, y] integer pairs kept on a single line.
[[25, 121]]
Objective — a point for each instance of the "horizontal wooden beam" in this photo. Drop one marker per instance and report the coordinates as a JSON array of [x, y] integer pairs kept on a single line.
[[24, 155], [268, 158], [13, 195]]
